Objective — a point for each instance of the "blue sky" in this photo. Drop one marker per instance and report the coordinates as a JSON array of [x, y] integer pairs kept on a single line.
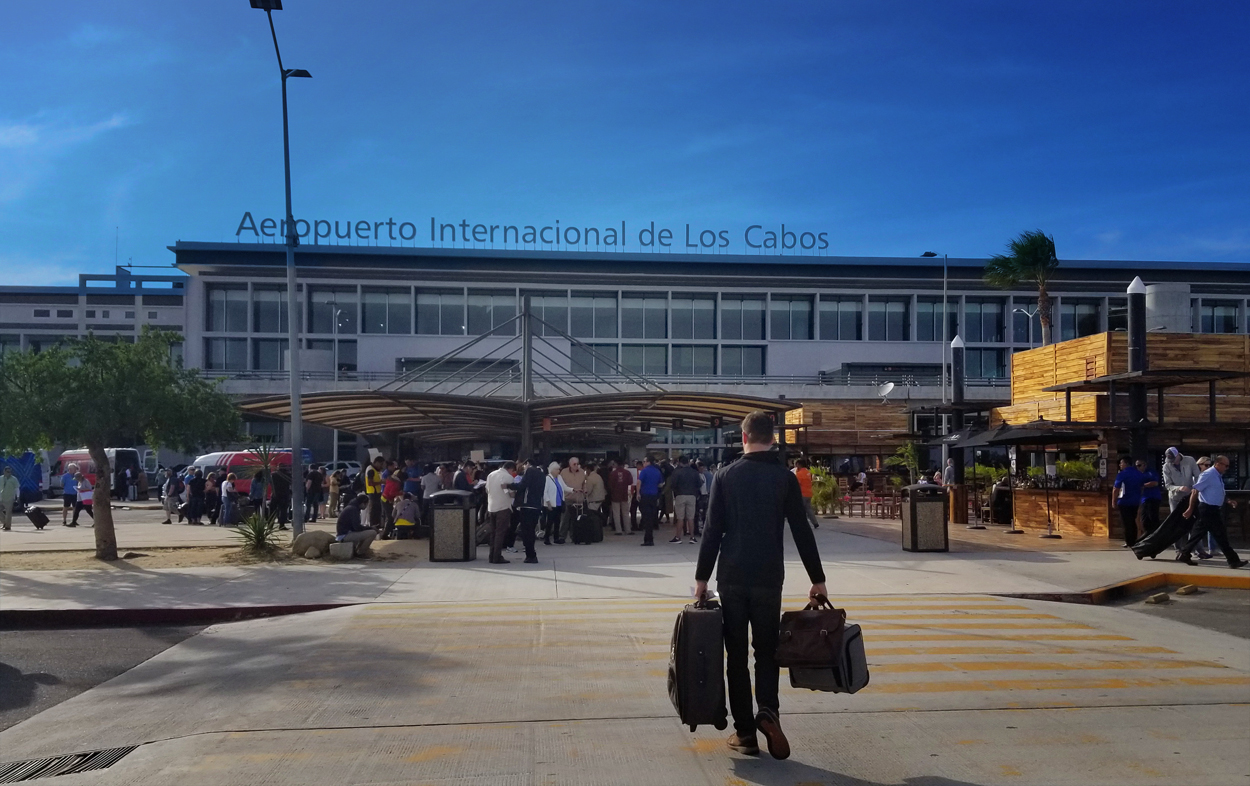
[[895, 127]]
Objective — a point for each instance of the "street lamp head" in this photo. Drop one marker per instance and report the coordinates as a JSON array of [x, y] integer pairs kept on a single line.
[[267, 5], [298, 72], [929, 254]]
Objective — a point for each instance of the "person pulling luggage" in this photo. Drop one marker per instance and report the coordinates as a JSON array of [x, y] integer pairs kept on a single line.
[[750, 503]]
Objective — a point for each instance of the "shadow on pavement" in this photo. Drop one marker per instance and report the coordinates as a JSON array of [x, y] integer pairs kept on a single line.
[[17, 689], [765, 771]]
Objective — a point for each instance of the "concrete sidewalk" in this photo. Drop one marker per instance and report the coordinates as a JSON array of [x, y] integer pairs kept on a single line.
[[966, 689], [616, 568]]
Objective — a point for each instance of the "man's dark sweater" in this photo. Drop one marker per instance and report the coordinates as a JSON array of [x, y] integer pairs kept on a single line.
[[349, 520], [684, 481], [750, 502]]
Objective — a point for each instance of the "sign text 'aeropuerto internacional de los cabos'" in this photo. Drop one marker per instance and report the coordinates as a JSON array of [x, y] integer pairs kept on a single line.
[[777, 239]]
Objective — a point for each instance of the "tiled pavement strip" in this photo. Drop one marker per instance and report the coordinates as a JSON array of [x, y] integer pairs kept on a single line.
[[965, 689]]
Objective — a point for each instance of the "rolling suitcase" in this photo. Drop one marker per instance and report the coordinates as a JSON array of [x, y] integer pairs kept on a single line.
[[696, 666], [586, 528], [848, 673], [37, 517], [1166, 534]]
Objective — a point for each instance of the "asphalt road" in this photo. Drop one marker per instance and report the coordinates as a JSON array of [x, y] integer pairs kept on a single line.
[[1224, 610], [42, 668]]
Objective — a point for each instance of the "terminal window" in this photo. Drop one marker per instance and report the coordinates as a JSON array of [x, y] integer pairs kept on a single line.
[[983, 321], [984, 364], [1079, 318], [790, 317], [267, 354], [65, 313], [43, 312], [592, 315], [645, 359], [227, 310], [1217, 316], [887, 319], [490, 312], [694, 360], [594, 359], [225, 354], [742, 361], [386, 310], [694, 316], [841, 318], [742, 318], [929, 319], [440, 313], [644, 316], [1025, 329], [326, 304], [269, 310], [553, 310]]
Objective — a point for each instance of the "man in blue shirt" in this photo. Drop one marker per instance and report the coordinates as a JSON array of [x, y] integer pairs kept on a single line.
[[650, 479], [1206, 499], [1151, 498], [1128, 487]]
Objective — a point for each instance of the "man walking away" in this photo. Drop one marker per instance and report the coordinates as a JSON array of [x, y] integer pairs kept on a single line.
[[350, 530], [9, 488], [1151, 496], [620, 484], [313, 483], [84, 500], [499, 491], [705, 489], [596, 491], [804, 476], [1128, 485], [1206, 499], [752, 500], [530, 494], [650, 480], [1180, 472], [685, 485]]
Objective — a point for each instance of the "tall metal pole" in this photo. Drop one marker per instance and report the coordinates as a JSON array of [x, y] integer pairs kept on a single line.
[[293, 315], [945, 322], [527, 378]]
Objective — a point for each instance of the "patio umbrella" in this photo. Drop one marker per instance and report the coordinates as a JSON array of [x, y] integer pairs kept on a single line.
[[1040, 433]]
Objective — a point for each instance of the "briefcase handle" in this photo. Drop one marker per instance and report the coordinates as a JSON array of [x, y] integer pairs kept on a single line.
[[819, 602]]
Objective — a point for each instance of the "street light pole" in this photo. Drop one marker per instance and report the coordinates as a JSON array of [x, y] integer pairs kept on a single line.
[[1030, 315], [945, 322], [293, 312]]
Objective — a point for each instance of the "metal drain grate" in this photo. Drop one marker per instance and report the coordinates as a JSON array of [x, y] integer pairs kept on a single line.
[[29, 770]]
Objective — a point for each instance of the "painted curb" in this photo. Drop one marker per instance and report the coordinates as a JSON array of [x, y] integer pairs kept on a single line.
[[31, 619], [1123, 589]]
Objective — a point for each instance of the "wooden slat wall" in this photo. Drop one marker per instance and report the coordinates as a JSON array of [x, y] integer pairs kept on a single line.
[[865, 427], [1083, 512], [1107, 353]]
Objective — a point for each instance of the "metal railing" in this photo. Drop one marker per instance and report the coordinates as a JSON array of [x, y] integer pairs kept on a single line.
[[822, 379]]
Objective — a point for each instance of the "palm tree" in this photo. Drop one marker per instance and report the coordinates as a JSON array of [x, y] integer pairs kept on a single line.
[[1032, 259]]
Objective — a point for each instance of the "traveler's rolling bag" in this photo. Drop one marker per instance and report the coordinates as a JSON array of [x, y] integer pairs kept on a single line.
[[848, 673], [696, 666], [808, 638], [587, 528], [1166, 534], [37, 517]]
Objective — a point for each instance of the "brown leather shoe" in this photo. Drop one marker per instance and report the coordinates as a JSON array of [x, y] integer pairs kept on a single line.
[[748, 746], [770, 726]]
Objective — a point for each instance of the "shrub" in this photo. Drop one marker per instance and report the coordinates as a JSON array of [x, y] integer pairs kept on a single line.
[[258, 533]]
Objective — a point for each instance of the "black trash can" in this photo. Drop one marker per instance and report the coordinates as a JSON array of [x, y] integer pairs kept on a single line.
[[926, 516], [451, 526]]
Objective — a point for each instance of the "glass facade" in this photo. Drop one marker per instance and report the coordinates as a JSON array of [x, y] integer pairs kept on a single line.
[[790, 317], [694, 360], [983, 321], [1079, 317], [888, 319], [489, 312], [385, 310], [269, 309], [329, 303], [644, 316], [440, 312], [645, 359], [929, 319], [694, 316], [742, 318], [227, 309], [841, 318], [592, 315], [1217, 316], [742, 361]]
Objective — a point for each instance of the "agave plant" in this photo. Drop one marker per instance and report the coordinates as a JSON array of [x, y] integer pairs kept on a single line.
[[258, 533]]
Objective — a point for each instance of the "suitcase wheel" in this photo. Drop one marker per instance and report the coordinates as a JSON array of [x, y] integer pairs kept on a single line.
[[693, 727], [721, 725]]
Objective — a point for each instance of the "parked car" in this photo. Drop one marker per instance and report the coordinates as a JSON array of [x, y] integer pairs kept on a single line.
[[351, 468]]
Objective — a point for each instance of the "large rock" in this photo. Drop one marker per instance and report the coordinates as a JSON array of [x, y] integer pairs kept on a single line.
[[313, 538], [313, 553]]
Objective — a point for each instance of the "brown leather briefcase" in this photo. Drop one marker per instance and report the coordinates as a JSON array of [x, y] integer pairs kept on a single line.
[[811, 638]]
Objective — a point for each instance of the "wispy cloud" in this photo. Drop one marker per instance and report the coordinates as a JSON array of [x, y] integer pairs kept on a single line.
[[26, 270], [28, 148]]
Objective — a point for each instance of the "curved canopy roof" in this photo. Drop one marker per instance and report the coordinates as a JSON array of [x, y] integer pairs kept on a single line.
[[439, 417]]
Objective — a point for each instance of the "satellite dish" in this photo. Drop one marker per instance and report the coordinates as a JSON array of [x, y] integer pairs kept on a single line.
[[884, 391]]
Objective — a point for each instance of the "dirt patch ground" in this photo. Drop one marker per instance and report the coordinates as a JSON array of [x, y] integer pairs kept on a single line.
[[395, 553]]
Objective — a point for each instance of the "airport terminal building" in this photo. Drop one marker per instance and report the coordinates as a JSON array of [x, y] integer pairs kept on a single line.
[[804, 328]]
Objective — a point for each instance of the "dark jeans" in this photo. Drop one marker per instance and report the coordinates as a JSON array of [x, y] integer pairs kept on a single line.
[[529, 524], [79, 507], [760, 609], [312, 504], [1149, 516], [551, 523], [1210, 520], [700, 513], [633, 513], [648, 504], [375, 512], [1128, 520], [501, 520], [280, 507]]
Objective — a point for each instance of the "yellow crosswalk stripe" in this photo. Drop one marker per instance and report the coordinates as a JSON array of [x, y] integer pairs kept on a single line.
[[1026, 665], [1051, 684]]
